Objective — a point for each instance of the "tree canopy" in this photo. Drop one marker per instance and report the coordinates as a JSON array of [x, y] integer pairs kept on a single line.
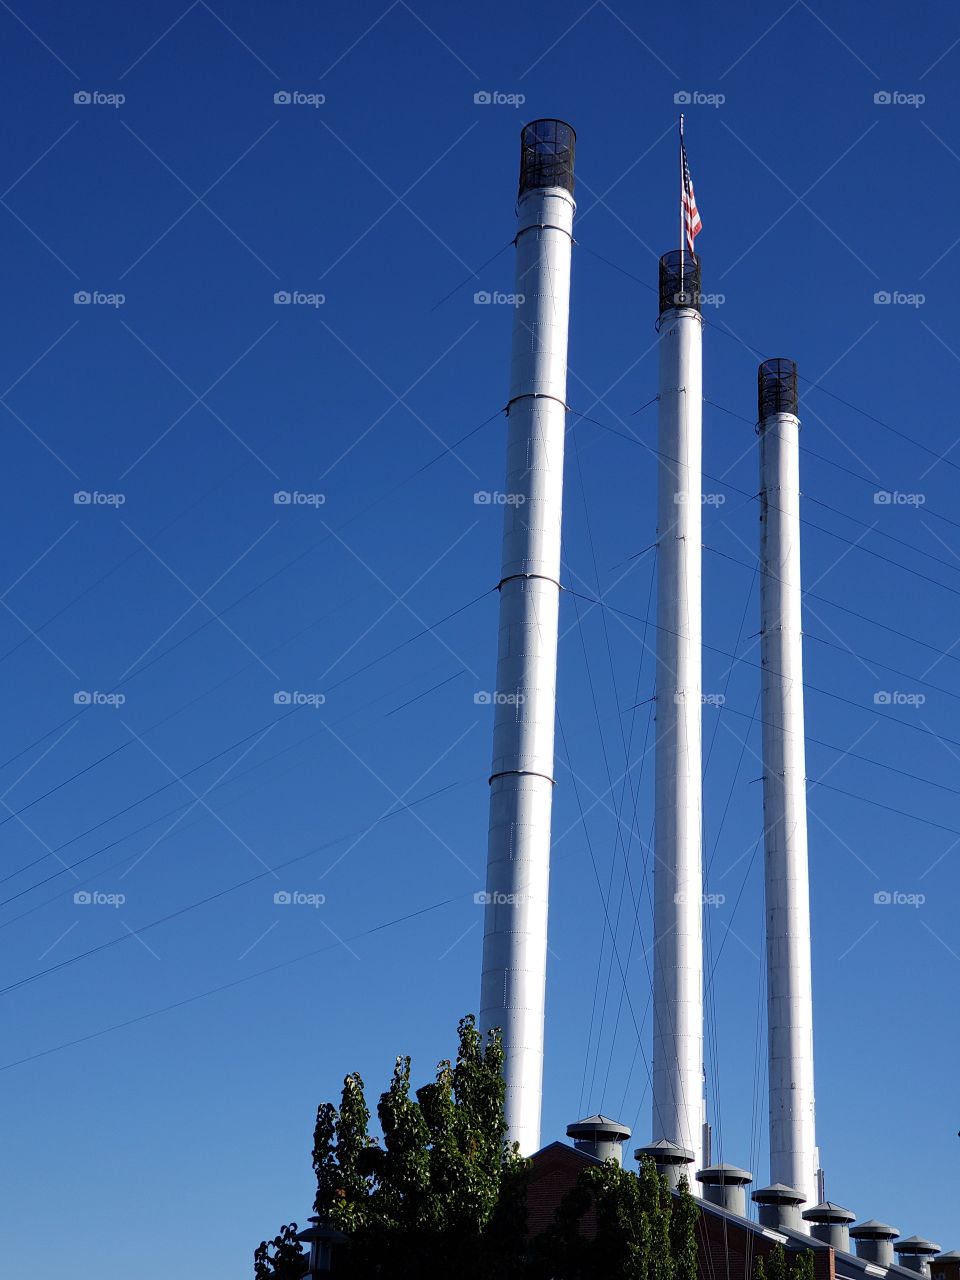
[[442, 1191]]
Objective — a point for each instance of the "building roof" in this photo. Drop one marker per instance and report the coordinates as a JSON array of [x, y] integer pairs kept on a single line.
[[728, 1243]]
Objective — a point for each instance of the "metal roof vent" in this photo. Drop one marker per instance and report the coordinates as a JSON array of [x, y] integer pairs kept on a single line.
[[830, 1223], [946, 1266], [915, 1253], [779, 1206], [726, 1186], [874, 1241], [600, 1137], [669, 1159]]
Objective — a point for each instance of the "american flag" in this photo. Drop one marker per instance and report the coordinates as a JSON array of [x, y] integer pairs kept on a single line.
[[691, 218]]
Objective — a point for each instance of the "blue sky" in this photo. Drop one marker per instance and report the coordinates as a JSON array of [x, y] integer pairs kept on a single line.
[[198, 598]]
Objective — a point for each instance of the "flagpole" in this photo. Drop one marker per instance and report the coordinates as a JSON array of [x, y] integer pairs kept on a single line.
[[681, 202]]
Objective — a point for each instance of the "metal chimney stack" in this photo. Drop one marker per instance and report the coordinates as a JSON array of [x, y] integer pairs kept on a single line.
[[521, 782], [873, 1241], [793, 1146], [678, 944]]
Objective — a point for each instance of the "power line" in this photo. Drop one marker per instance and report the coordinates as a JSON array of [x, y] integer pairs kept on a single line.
[[263, 728], [42, 626], [215, 617], [817, 386], [227, 986], [878, 488], [753, 497], [618, 833], [827, 693], [848, 753], [862, 657], [833, 604], [187, 804], [872, 481], [194, 906], [877, 804]]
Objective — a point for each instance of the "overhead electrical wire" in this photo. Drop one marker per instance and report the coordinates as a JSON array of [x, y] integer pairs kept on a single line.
[[812, 382], [202, 902], [239, 742], [186, 804], [835, 604], [878, 487], [827, 693], [227, 986], [216, 616], [618, 830], [754, 497]]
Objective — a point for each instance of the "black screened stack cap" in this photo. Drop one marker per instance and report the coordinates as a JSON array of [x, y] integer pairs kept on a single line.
[[679, 281], [547, 151], [777, 388]]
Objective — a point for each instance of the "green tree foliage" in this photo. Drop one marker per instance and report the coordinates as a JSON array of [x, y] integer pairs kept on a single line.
[[801, 1266], [642, 1231], [777, 1267], [443, 1193], [282, 1258]]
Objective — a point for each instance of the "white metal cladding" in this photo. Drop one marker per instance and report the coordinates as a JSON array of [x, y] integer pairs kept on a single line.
[[518, 860], [678, 946], [793, 1152]]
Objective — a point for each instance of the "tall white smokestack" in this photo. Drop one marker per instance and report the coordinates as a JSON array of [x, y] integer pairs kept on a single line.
[[521, 783], [678, 946], [793, 1151]]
